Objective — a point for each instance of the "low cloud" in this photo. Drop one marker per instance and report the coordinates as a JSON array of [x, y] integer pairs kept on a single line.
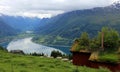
[[47, 8]]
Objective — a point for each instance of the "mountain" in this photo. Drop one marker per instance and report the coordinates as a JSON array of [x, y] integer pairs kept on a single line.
[[5, 29], [71, 24], [21, 23]]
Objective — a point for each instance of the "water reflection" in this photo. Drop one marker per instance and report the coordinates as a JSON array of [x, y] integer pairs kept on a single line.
[[27, 46]]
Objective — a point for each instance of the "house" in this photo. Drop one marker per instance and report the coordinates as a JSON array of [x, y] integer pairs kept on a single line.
[[85, 58], [90, 59]]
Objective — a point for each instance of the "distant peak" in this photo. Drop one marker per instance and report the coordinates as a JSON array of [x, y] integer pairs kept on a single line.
[[116, 5]]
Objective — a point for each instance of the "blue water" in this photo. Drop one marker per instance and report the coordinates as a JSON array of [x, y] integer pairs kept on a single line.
[[5, 44], [27, 46], [64, 49]]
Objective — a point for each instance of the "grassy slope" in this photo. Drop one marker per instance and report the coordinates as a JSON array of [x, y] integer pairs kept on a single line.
[[19, 63]]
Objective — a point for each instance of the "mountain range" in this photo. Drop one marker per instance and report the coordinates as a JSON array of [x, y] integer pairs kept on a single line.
[[21, 23], [5, 29], [64, 28], [70, 25]]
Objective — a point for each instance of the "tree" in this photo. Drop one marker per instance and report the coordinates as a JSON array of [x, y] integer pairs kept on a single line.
[[84, 41], [111, 38], [37, 54], [56, 54], [107, 38], [94, 44]]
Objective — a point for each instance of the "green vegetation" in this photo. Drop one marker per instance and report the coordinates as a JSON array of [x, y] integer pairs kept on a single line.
[[108, 57], [2, 49], [83, 42], [52, 40], [71, 25], [37, 54], [110, 40], [26, 63], [56, 54], [5, 29]]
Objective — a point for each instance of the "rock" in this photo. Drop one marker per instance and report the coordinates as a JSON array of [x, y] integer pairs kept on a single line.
[[59, 57], [65, 59]]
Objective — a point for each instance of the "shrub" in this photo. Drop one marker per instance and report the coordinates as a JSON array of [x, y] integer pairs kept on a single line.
[[37, 54], [56, 54], [1, 48]]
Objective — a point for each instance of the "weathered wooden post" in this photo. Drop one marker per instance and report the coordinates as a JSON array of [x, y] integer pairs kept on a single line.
[[102, 41]]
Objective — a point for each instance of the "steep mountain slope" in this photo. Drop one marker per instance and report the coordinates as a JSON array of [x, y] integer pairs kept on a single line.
[[21, 23], [6, 30], [70, 25]]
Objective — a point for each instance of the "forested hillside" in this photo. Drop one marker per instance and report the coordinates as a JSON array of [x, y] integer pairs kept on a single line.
[[70, 25], [21, 23], [5, 29]]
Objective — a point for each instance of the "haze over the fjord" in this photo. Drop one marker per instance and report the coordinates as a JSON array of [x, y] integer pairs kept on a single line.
[[47, 8]]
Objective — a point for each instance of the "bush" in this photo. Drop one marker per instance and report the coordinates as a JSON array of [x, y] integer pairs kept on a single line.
[[37, 54], [56, 54], [1, 48]]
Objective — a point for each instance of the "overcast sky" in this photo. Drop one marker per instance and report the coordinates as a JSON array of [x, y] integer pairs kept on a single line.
[[47, 8]]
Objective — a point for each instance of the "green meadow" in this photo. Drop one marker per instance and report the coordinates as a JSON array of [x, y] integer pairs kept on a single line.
[[26, 63]]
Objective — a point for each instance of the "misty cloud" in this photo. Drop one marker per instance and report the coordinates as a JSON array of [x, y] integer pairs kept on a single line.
[[47, 8]]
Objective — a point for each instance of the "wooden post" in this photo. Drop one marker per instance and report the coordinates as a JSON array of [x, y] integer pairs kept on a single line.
[[102, 41]]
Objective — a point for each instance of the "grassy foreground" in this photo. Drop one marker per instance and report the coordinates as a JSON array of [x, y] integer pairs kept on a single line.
[[20, 63]]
